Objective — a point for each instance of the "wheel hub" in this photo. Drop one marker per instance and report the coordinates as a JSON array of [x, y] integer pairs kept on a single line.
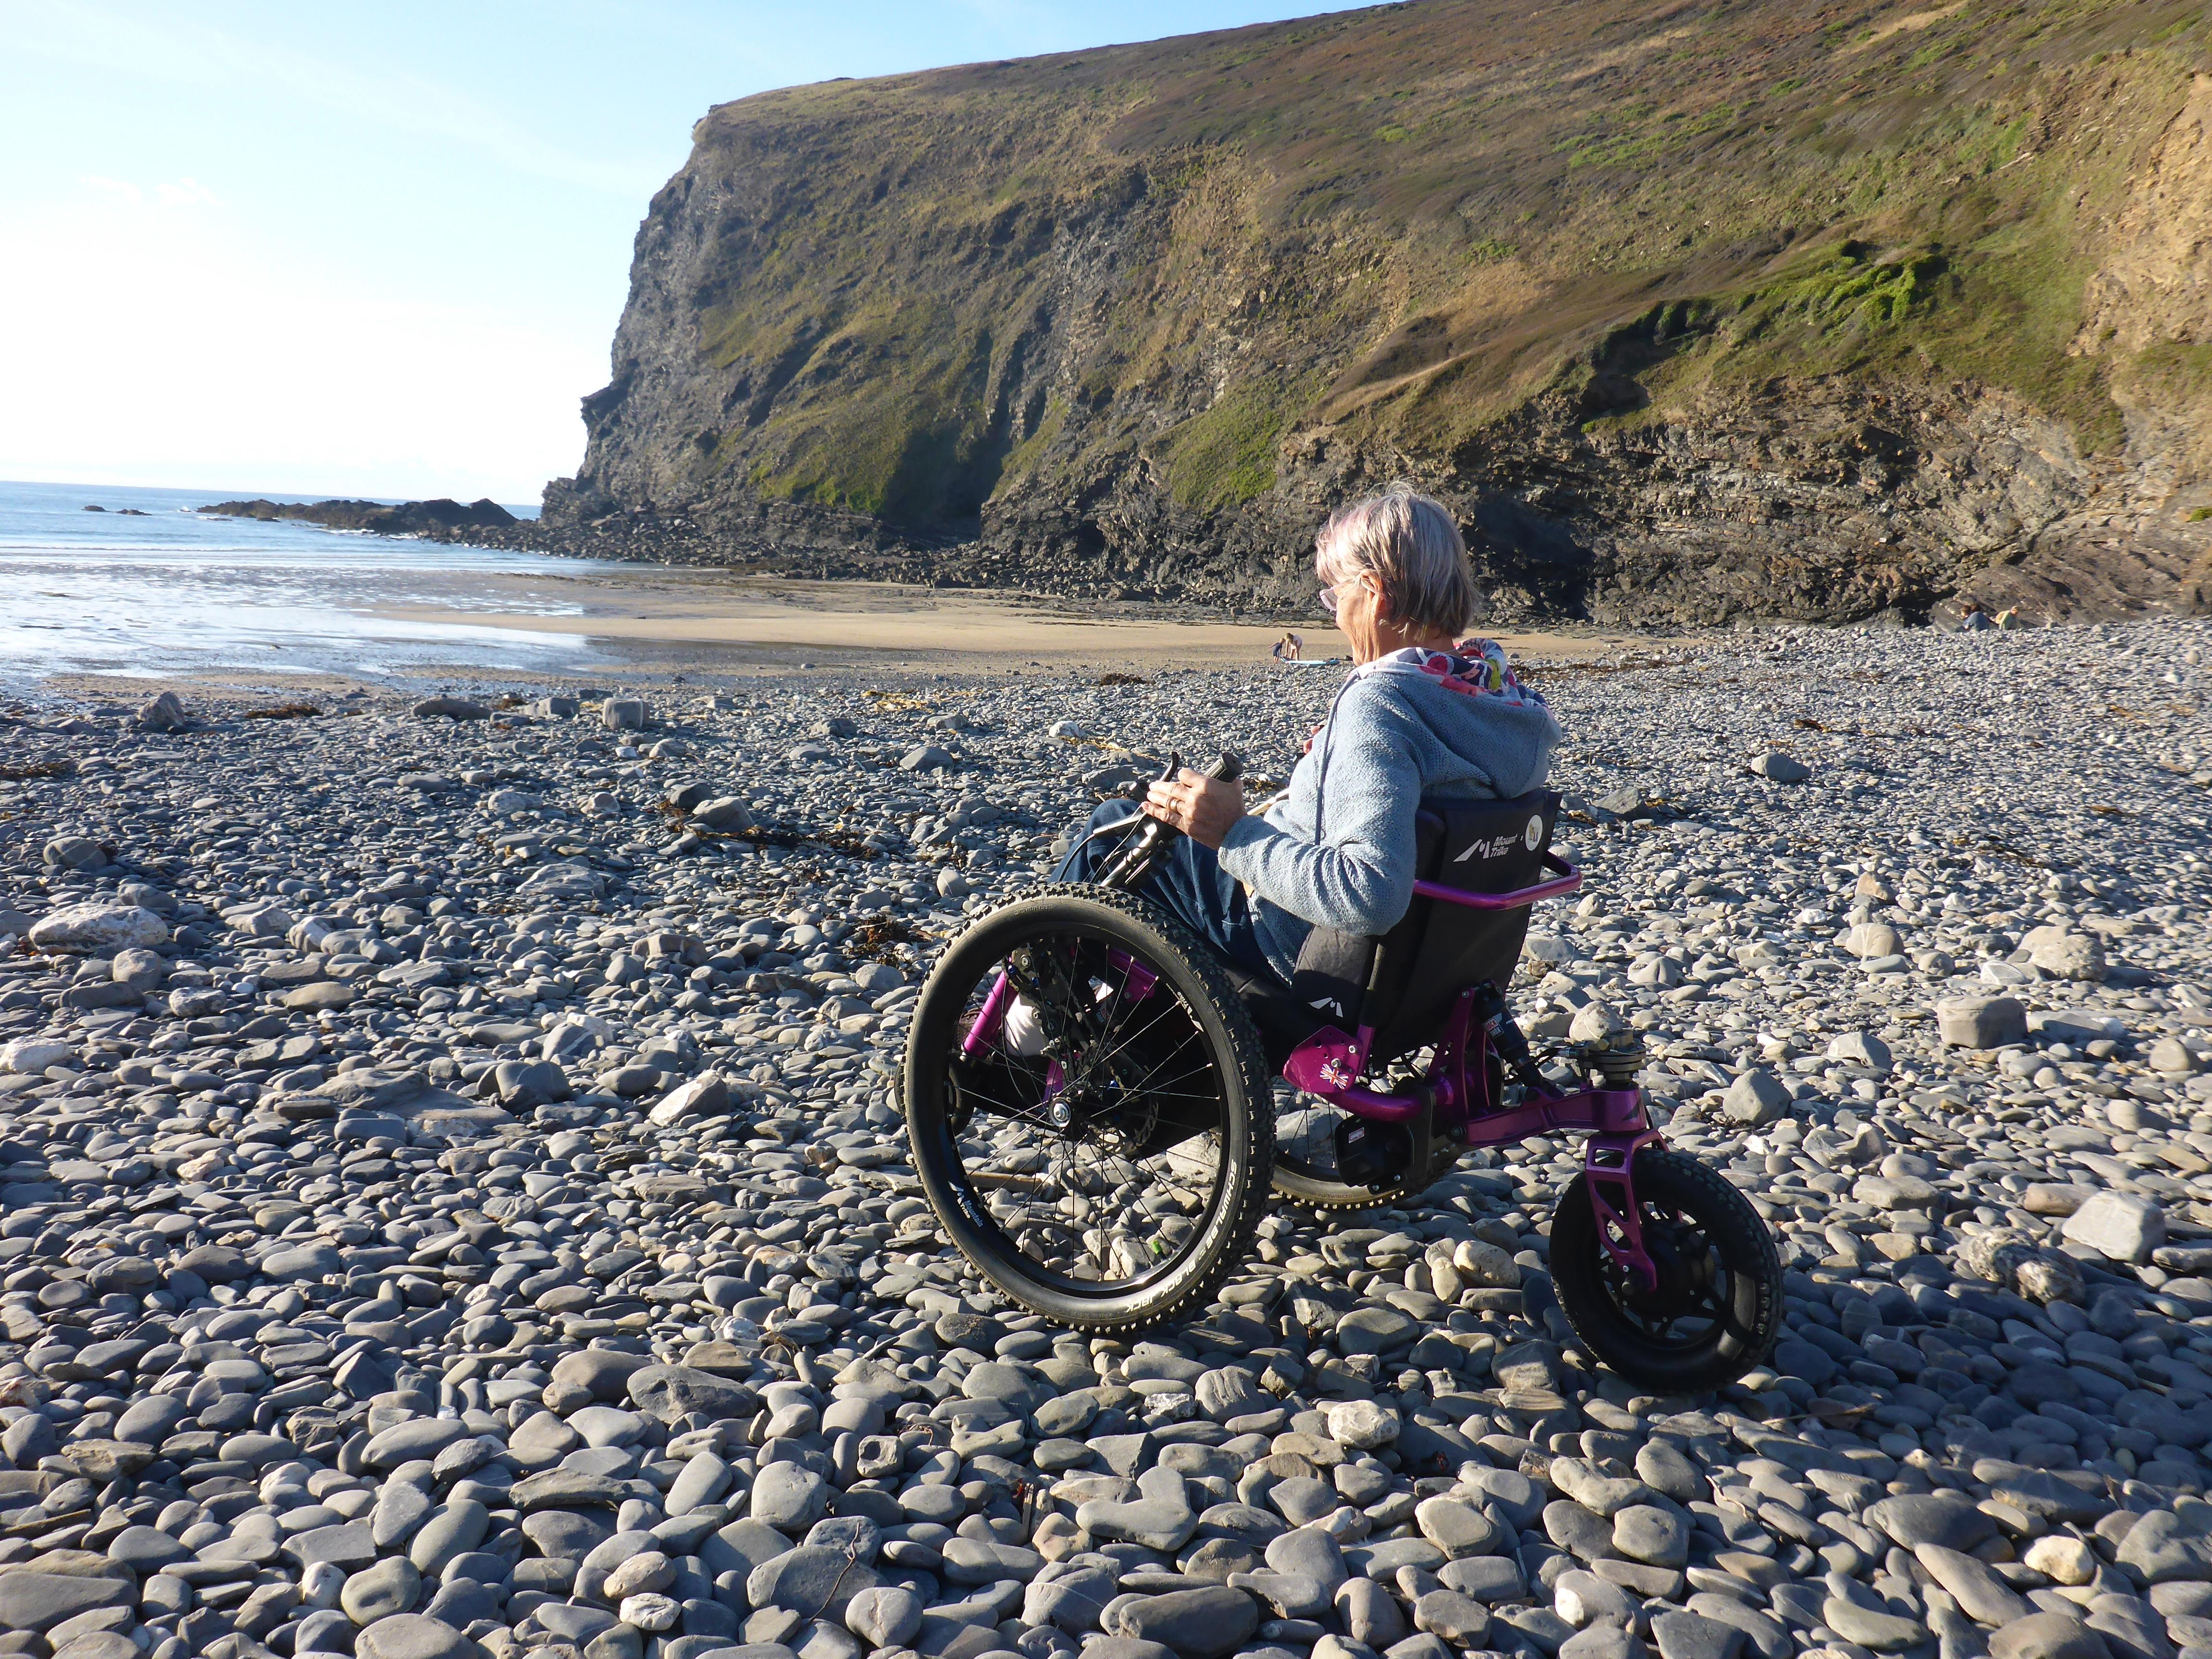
[[1683, 1269]]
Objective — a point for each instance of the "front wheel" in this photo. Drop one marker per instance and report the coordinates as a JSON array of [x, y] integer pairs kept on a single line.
[[1101, 1153], [1717, 1307]]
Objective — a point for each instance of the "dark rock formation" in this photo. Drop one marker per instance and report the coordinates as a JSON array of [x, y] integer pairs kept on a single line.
[[1692, 313], [440, 519]]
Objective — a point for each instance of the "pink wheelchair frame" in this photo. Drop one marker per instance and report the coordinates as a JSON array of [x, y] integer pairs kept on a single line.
[[1457, 1089]]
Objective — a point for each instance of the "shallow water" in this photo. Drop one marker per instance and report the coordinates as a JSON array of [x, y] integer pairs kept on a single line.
[[175, 592]]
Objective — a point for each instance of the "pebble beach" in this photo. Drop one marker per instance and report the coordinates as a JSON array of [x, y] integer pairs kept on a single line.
[[453, 1199]]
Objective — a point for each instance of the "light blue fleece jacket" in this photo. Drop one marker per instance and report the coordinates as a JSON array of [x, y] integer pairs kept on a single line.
[[1337, 848]]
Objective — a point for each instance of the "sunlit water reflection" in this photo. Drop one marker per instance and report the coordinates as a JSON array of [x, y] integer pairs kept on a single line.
[[175, 592]]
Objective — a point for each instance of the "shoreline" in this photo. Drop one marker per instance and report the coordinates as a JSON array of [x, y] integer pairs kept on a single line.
[[197, 608], [866, 622]]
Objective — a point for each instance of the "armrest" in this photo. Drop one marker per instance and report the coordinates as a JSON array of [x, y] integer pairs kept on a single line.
[[1567, 882]]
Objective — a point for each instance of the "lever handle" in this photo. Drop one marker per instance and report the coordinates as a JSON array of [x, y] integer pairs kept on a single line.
[[1149, 844]]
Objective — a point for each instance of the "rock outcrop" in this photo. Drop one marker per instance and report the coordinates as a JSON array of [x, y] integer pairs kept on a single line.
[[442, 517], [1691, 314]]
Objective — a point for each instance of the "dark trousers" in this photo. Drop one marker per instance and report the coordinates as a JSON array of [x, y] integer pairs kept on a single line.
[[1189, 885]]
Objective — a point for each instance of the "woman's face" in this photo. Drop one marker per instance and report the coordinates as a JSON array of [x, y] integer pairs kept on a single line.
[[1359, 612]]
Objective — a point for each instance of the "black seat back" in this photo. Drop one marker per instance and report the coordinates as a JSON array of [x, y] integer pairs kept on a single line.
[[1335, 975], [1441, 949], [1404, 982]]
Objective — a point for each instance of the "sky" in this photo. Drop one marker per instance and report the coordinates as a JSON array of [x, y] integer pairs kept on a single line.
[[319, 249]]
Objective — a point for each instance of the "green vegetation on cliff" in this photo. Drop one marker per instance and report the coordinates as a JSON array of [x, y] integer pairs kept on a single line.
[[1176, 291]]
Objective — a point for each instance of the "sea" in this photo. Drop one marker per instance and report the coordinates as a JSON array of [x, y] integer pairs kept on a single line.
[[151, 589]]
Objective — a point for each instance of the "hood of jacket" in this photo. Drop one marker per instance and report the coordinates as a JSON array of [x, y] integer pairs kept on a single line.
[[1473, 705]]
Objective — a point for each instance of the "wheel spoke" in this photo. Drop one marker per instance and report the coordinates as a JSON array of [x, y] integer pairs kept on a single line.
[[1102, 1182], [1101, 1057]]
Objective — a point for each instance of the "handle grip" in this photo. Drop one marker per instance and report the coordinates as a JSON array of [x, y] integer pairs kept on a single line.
[[1151, 843]]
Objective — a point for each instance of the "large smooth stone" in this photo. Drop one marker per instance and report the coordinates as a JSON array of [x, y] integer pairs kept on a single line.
[[1456, 1527], [1984, 1597], [2048, 1636], [668, 1392], [1981, 1021], [39, 1600], [417, 1437], [789, 1499], [378, 1592], [2164, 1547], [810, 1580], [1198, 1624], [1656, 1537], [96, 929], [2118, 1226], [1923, 1518], [1160, 1518], [413, 1635]]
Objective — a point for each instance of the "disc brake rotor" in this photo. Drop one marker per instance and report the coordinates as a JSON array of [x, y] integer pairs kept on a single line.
[[1683, 1258]]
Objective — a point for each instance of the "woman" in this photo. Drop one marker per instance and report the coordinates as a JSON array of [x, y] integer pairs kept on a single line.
[[1419, 714]]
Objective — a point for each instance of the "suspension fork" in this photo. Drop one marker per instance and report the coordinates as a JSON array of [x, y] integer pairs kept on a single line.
[[1135, 975], [989, 1018], [1479, 1025], [1608, 1164]]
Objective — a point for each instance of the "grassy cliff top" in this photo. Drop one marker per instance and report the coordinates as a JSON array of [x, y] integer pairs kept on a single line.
[[1403, 223]]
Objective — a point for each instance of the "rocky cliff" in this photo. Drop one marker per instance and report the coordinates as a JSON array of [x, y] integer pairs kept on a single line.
[[1692, 310]]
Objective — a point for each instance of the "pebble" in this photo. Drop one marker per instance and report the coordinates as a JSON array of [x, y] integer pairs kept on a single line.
[[451, 1200], [2117, 1226], [2050, 1635], [1778, 767], [1976, 1022]]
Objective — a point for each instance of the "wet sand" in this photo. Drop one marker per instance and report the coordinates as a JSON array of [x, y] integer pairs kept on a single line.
[[106, 606], [735, 624]]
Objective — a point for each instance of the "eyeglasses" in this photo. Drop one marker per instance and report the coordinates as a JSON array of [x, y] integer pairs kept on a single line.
[[1332, 596]]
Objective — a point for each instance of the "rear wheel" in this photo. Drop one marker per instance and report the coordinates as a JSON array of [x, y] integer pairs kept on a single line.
[[1306, 1161], [1306, 1170], [1103, 1155], [1717, 1306]]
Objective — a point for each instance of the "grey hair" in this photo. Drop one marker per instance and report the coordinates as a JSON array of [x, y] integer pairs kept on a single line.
[[1411, 543]]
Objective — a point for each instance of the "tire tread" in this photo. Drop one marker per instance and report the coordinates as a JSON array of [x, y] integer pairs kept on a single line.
[[1249, 1056], [1330, 1196], [1723, 1202]]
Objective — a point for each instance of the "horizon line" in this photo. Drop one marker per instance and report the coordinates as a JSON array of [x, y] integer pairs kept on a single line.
[[281, 497]]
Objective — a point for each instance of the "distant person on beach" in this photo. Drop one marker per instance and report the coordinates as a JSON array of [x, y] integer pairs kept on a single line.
[[1976, 620], [2008, 616], [1290, 647], [1420, 714]]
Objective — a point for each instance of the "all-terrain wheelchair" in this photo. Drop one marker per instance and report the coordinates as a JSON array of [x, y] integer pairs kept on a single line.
[[1098, 1105]]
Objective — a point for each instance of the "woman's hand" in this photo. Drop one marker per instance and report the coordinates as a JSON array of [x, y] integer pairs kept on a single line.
[[1201, 807]]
